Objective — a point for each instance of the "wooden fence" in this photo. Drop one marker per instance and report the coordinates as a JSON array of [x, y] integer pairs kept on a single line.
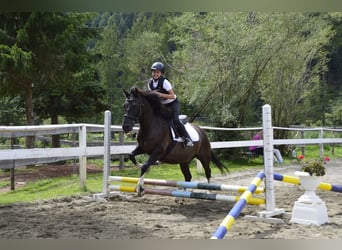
[[81, 150]]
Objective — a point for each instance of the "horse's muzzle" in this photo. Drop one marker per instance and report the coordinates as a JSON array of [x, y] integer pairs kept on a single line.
[[127, 127]]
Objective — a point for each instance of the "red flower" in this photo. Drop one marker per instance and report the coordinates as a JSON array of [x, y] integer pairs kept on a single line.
[[326, 159], [300, 157]]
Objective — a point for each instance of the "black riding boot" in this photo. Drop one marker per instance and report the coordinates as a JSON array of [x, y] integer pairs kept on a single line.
[[187, 140], [183, 133]]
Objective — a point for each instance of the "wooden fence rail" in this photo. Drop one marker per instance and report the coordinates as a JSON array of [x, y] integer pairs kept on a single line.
[[12, 158]]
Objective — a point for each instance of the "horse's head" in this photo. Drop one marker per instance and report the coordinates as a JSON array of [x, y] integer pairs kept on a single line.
[[132, 108], [139, 103]]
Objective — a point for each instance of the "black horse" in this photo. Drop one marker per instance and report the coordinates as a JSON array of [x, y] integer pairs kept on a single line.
[[155, 139]]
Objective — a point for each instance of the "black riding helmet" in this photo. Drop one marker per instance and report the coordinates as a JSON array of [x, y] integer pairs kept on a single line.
[[158, 66]]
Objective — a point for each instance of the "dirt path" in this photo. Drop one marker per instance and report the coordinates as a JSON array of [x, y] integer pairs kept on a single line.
[[157, 217]]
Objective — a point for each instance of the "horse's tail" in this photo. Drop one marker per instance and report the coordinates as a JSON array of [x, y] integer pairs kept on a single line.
[[218, 163]]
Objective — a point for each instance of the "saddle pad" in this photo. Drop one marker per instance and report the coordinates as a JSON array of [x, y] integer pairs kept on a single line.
[[191, 131]]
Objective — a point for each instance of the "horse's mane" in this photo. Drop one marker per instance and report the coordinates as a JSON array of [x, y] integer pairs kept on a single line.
[[155, 101]]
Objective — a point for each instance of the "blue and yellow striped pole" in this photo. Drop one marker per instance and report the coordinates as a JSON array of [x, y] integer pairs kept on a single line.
[[228, 222], [295, 180]]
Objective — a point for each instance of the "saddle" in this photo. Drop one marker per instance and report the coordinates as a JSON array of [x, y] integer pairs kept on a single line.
[[188, 127]]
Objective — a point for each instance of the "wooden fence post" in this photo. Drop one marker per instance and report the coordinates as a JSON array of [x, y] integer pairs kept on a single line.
[[12, 169], [302, 137], [321, 145], [83, 156], [121, 157]]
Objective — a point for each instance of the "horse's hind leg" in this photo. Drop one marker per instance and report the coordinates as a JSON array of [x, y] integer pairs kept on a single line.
[[186, 171], [206, 165]]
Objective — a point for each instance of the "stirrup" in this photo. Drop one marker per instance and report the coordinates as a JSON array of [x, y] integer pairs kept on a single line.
[[188, 142]]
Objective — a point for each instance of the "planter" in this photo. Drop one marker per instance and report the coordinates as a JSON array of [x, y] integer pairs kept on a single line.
[[309, 183], [309, 208]]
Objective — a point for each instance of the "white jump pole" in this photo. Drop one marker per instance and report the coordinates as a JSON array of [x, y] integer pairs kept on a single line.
[[106, 157], [268, 169], [268, 156]]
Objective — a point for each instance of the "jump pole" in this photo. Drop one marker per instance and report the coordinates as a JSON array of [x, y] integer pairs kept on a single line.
[[186, 194], [296, 181], [106, 144], [185, 184], [229, 220]]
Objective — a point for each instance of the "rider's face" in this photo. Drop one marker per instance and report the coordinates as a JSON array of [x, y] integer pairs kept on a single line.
[[156, 74]]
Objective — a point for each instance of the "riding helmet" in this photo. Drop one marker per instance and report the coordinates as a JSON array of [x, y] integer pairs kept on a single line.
[[158, 66]]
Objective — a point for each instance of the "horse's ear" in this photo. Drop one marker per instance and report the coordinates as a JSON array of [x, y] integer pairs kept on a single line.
[[125, 92], [134, 91]]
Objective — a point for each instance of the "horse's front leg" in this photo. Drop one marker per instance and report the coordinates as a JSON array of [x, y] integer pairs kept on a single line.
[[136, 151], [144, 168]]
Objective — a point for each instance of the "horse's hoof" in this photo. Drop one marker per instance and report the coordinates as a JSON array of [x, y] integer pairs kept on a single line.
[[140, 191], [179, 200]]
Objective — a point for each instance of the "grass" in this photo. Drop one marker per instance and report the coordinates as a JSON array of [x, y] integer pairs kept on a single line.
[[312, 151], [46, 189], [69, 186]]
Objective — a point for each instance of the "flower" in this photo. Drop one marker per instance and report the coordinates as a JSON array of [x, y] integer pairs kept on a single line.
[[300, 157], [313, 166], [326, 159]]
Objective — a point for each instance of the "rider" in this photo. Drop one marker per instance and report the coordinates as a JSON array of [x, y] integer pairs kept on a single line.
[[160, 85]]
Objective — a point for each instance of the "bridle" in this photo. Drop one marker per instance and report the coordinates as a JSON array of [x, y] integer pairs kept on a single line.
[[137, 116]]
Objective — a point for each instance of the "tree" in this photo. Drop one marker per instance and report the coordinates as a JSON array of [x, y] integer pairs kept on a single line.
[[111, 66], [142, 50], [43, 54], [144, 44], [296, 72], [230, 64], [16, 63], [71, 88], [11, 111], [130, 42]]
